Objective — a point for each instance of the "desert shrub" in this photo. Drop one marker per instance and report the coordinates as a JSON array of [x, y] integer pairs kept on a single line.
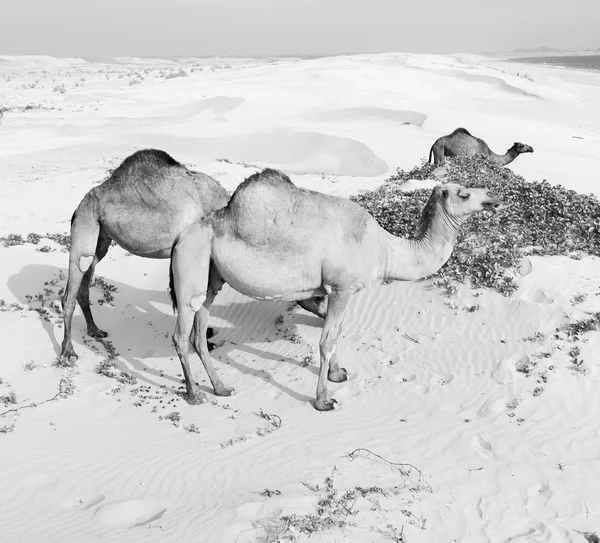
[[540, 219], [33, 238], [61, 239], [175, 73], [12, 239]]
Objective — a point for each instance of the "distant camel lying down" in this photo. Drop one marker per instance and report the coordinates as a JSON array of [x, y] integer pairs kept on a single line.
[[461, 143], [274, 241]]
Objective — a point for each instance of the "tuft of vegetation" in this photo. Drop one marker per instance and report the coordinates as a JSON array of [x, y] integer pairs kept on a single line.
[[539, 218], [12, 239], [11, 397]]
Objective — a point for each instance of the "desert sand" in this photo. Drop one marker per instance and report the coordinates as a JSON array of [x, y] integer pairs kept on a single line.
[[475, 394]]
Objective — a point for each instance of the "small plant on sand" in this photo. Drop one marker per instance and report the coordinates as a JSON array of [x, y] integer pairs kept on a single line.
[[392, 533], [11, 397], [60, 88], [192, 427], [575, 329], [61, 239], [64, 362], [107, 368], [33, 238], [174, 73], [66, 387], [12, 239], [107, 290], [7, 428], [274, 424], [29, 366]]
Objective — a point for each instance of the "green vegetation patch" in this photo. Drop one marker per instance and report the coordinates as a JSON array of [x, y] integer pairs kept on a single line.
[[540, 219]]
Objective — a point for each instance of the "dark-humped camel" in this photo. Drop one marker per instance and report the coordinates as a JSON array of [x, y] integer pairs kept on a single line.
[[275, 241], [462, 143], [145, 203]]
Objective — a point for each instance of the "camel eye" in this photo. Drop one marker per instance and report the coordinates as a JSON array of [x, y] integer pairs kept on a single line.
[[465, 196]]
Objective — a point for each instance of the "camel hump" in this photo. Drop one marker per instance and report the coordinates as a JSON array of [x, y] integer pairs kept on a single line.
[[268, 176], [261, 186], [147, 159], [462, 131]]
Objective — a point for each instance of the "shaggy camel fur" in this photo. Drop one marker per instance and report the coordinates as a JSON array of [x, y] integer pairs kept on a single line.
[[274, 241], [461, 143], [146, 202]]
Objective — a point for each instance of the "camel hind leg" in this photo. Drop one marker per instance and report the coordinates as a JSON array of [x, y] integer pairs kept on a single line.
[[88, 246], [329, 369], [193, 295], [83, 297]]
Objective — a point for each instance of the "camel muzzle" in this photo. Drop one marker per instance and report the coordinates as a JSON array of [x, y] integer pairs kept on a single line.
[[494, 204]]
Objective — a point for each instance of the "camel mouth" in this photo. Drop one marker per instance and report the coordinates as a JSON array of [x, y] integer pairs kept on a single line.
[[493, 205]]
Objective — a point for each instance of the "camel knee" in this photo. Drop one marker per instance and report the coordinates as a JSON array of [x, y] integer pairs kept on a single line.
[[197, 301], [328, 347], [84, 263]]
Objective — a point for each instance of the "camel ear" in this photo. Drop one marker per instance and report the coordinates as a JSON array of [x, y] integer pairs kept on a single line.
[[445, 193]]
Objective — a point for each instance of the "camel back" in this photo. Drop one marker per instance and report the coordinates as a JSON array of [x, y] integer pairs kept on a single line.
[[152, 177], [268, 206]]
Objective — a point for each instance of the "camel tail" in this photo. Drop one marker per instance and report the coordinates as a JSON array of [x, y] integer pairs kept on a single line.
[[172, 280], [430, 153]]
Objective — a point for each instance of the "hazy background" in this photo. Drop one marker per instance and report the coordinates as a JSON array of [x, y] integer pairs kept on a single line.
[[263, 27]]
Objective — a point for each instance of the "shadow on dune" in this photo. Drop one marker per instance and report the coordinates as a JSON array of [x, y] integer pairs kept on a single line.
[[140, 325]]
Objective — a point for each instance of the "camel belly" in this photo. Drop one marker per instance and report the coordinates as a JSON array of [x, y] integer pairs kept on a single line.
[[267, 276]]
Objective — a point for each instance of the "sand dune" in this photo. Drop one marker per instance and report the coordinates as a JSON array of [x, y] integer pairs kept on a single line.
[[362, 113], [294, 151], [479, 393]]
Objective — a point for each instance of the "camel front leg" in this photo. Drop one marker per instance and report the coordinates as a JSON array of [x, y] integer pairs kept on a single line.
[[338, 300]]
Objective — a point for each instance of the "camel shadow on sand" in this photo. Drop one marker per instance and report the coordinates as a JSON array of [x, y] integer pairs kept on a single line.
[[141, 322]]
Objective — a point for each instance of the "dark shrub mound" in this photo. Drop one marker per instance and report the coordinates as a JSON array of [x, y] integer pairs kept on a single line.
[[540, 219]]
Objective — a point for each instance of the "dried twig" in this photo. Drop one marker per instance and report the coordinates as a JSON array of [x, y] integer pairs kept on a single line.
[[34, 404], [400, 465]]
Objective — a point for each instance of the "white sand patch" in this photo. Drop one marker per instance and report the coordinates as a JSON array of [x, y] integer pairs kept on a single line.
[[485, 395]]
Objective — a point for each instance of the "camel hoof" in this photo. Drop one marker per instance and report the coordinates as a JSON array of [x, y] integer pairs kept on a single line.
[[97, 333], [195, 398], [327, 405], [68, 355], [337, 377], [224, 391]]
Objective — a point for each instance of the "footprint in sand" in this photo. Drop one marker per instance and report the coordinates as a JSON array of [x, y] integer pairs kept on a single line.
[[483, 448], [130, 513], [441, 378]]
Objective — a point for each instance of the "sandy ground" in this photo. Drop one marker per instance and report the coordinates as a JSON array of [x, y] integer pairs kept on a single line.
[[479, 393]]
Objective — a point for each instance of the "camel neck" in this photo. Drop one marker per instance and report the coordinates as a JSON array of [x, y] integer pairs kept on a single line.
[[507, 157], [411, 259]]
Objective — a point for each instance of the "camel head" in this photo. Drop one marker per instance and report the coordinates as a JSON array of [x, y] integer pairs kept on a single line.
[[461, 202], [522, 147]]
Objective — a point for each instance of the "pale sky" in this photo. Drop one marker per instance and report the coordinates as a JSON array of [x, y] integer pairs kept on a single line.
[[271, 27]]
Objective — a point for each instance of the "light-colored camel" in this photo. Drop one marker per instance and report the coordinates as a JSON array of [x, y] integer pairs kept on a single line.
[[462, 143], [146, 202], [274, 241]]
